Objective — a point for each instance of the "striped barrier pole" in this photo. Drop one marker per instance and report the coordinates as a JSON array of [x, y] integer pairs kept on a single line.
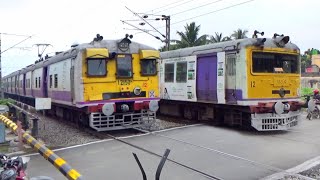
[[49, 155]]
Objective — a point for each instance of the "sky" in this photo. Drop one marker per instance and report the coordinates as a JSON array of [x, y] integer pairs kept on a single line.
[[62, 23]]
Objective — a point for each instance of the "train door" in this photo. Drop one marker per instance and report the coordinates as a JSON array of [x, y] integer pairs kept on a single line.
[[231, 78], [45, 81], [207, 78]]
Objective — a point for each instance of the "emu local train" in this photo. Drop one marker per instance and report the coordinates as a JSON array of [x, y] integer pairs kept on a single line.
[[253, 82], [105, 84]]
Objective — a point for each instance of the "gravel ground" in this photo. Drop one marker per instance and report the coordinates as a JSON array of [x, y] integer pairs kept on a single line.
[[55, 133], [314, 172]]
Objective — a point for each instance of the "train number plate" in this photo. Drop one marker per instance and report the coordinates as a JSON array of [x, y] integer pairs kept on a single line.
[[124, 82], [279, 82]]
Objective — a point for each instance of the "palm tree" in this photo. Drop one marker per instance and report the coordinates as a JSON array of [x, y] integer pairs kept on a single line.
[[218, 38], [190, 38], [239, 34]]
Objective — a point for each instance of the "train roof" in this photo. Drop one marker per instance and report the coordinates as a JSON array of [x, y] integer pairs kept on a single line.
[[224, 46], [111, 45]]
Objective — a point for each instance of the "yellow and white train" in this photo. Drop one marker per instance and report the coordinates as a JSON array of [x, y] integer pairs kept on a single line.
[[252, 82], [105, 84]]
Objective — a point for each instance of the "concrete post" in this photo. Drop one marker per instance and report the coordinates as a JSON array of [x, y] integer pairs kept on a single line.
[[34, 131]]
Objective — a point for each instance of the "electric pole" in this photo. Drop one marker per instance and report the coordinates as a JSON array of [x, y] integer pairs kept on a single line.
[[144, 17], [167, 18], [1, 89]]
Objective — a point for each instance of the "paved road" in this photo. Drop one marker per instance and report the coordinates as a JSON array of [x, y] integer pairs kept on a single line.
[[113, 159]]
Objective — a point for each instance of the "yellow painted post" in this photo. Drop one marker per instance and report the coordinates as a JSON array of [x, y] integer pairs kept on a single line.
[[55, 160]]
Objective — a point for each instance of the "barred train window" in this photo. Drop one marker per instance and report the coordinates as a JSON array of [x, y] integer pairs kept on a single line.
[[148, 67], [36, 83], [231, 64], [169, 72], [50, 81], [56, 81], [181, 71], [124, 65], [96, 67], [39, 82]]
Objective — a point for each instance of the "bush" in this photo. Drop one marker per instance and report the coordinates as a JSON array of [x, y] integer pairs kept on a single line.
[[5, 101]]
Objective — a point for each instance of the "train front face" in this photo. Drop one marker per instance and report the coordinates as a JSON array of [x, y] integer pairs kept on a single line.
[[274, 84], [120, 86]]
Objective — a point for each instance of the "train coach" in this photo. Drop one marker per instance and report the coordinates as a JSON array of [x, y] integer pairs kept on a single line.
[[105, 84], [252, 82]]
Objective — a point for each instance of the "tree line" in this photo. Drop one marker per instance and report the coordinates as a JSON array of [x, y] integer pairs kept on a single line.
[[190, 37]]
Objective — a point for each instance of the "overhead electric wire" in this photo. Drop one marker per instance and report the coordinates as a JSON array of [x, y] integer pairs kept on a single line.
[[195, 7], [10, 34], [174, 6], [145, 21], [142, 30], [16, 44], [211, 12], [163, 6]]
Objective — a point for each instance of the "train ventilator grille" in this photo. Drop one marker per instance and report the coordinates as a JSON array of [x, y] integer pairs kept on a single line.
[[272, 121], [101, 122]]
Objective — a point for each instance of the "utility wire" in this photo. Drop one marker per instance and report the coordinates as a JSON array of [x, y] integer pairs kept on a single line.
[[164, 6], [146, 22], [15, 34], [16, 44], [196, 7], [142, 30], [211, 12], [174, 6]]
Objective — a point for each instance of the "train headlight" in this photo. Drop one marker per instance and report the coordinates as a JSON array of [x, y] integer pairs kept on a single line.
[[279, 107], [153, 106], [125, 108], [108, 109], [137, 91]]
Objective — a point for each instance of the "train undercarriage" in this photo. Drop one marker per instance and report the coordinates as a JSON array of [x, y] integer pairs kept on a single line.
[[230, 115]]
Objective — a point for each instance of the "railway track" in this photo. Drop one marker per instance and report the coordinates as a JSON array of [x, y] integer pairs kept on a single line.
[[119, 135], [104, 135]]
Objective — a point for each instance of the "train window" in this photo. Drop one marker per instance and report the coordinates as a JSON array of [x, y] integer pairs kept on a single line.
[[148, 67], [168, 72], [36, 82], [39, 82], [56, 81], [181, 71], [124, 65], [231, 64], [50, 81], [96, 67], [263, 62]]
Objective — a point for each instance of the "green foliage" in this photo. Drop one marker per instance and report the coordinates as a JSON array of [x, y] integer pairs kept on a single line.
[[5, 101], [218, 37], [306, 91], [239, 34], [190, 37]]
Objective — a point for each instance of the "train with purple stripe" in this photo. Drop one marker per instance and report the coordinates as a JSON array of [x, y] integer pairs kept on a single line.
[[104, 84], [252, 82]]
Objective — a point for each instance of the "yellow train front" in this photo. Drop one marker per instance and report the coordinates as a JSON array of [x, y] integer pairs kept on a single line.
[[119, 84]]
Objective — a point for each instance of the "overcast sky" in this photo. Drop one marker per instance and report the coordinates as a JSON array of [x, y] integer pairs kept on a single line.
[[64, 22]]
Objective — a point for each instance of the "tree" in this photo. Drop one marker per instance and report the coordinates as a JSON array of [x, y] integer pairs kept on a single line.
[[218, 38], [190, 38], [239, 34]]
